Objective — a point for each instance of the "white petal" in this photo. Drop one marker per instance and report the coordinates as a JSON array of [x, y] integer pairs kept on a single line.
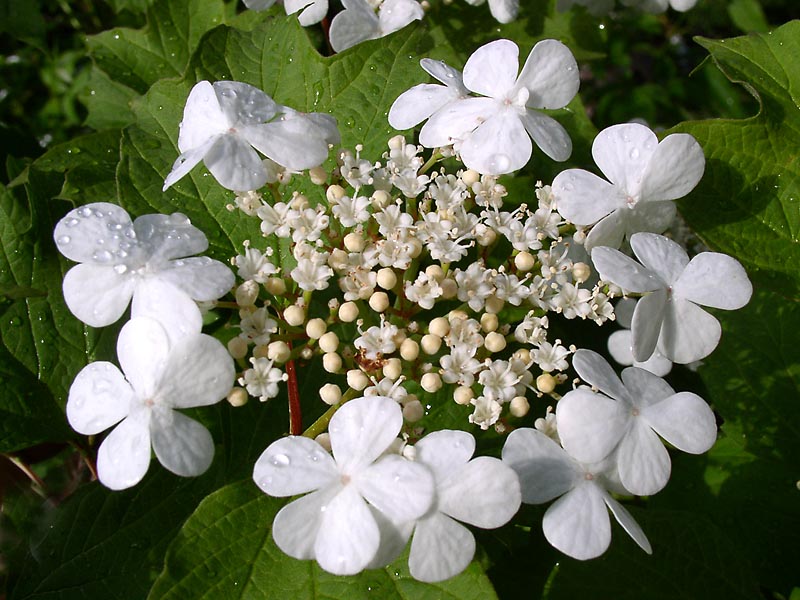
[[362, 429], [84, 233], [492, 69], [504, 11], [181, 444], [124, 455], [715, 280], [99, 397], [258, 4], [203, 118], [550, 74], [628, 523], [645, 387], [646, 325], [449, 76], [244, 104], [619, 347], [393, 15], [595, 370], [234, 164], [187, 161], [294, 143], [624, 311], [545, 470], [623, 152], [656, 364], [608, 231], [202, 278], [653, 217], [394, 537], [417, 104], [348, 537], [499, 496], [142, 350], [688, 333], [97, 295], [455, 121], [297, 524], [584, 198], [643, 461], [445, 451], [590, 425], [293, 465], [674, 170], [315, 10], [168, 236], [660, 255], [357, 23], [685, 421], [399, 488], [199, 371], [498, 145], [548, 134], [172, 308], [440, 549], [578, 524], [622, 270]]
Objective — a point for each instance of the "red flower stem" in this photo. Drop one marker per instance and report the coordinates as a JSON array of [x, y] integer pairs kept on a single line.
[[295, 414]]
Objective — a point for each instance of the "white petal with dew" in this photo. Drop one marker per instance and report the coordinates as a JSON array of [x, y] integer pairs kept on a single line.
[[169, 236], [549, 135], [199, 371], [441, 548], [455, 121], [348, 537], [97, 295], [203, 118], [124, 455], [142, 351], [313, 10], [674, 170], [625, 272], [244, 104], [715, 280], [685, 421], [234, 164], [608, 231], [393, 15], [362, 429], [92, 232], [492, 69], [660, 255], [417, 104], [294, 465], [394, 537], [689, 333], [644, 464], [397, 487], [498, 145], [445, 451], [181, 444], [550, 75], [297, 524], [623, 152], [187, 161], [449, 76], [161, 301], [357, 23], [584, 198], [590, 425], [202, 278], [99, 397], [295, 143], [577, 524]]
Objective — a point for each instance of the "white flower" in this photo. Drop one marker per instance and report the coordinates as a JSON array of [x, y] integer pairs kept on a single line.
[[334, 524], [492, 130], [646, 177], [143, 260], [482, 492], [620, 343], [377, 340], [504, 11], [358, 22], [224, 122], [262, 380], [577, 523], [255, 266], [668, 317], [627, 417], [311, 11], [486, 413], [157, 376]]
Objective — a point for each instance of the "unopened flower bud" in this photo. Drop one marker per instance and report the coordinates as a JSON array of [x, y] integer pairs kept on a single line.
[[435, 272], [334, 193], [494, 342], [357, 380], [387, 278], [294, 315], [260, 351], [470, 176], [519, 406], [331, 362], [354, 242], [523, 354], [330, 393], [431, 343], [546, 383], [275, 286], [396, 142], [489, 322], [324, 440], [431, 382], [463, 395], [348, 312], [413, 411], [393, 368], [409, 349], [439, 326], [379, 301], [237, 397], [278, 351], [581, 272], [318, 175], [494, 304], [449, 288], [329, 342], [237, 347], [524, 261], [380, 199], [315, 328], [487, 237], [247, 293]]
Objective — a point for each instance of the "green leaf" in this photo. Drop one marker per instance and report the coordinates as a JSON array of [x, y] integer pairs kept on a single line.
[[225, 550], [748, 16], [22, 20], [107, 101], [748, 202]]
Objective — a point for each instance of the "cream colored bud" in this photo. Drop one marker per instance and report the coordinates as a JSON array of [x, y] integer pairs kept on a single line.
[[331, 362], [431, 382], [387, 278], [413, 411], [487, 237], [338, 259], [546, 383], [324, 440], [299, 201], [457, 314], [523, 354], [357, 380], [348, 312], [396, 142], [581, 272], [470, 176], [354, 242], [247, 293], [260, 351], [431, 343], [494, 342], [315, 328], [414, 247], [494, 304], [435, 272], [334, 193], [237, 397], [330, 393], [409, 349], [318, 175], [489, 322], [449, 288], [275, 286], [439, 326], [278, 351], [237, 347], [379, 301], [380, 199], [393, 368], [524, 261], [519, 406], [294, 315], [329, 342], [463, 395]]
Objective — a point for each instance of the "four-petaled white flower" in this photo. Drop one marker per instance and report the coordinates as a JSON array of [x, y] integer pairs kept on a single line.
[[144, 260], [225, 123], [358, 22], [493, 133], [645, 178], [482, 491], [157, 376], [627, 418], [577, 523], [620, 343], [335, 524], [668, 316]]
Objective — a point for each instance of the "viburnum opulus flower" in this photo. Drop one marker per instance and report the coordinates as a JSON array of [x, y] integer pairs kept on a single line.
[[337, 523], [226, 122], [149, 260], [645, 176], [358, 22], [158, 376], [620, 343], [668, 317]]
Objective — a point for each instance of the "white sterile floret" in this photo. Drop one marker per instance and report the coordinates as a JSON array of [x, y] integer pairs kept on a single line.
[[494, 132], [358, 22], [421, 101], [157, 376], [262, 380], [627, 418], [620, 343], [225, 123], [668, 317], [504, 11], [254, 265], [354, 494], [577, 523], [143, 260], [645, 178], [480, 491]]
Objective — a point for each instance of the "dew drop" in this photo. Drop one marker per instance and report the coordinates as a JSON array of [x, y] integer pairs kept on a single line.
[[634, 153], [71, 222], [63, 240], [102, 256], [120, 269], [280, 460]]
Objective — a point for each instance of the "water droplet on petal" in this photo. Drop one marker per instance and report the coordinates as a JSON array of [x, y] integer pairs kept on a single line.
[[280, 460], [63, 240], [634, 154]]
